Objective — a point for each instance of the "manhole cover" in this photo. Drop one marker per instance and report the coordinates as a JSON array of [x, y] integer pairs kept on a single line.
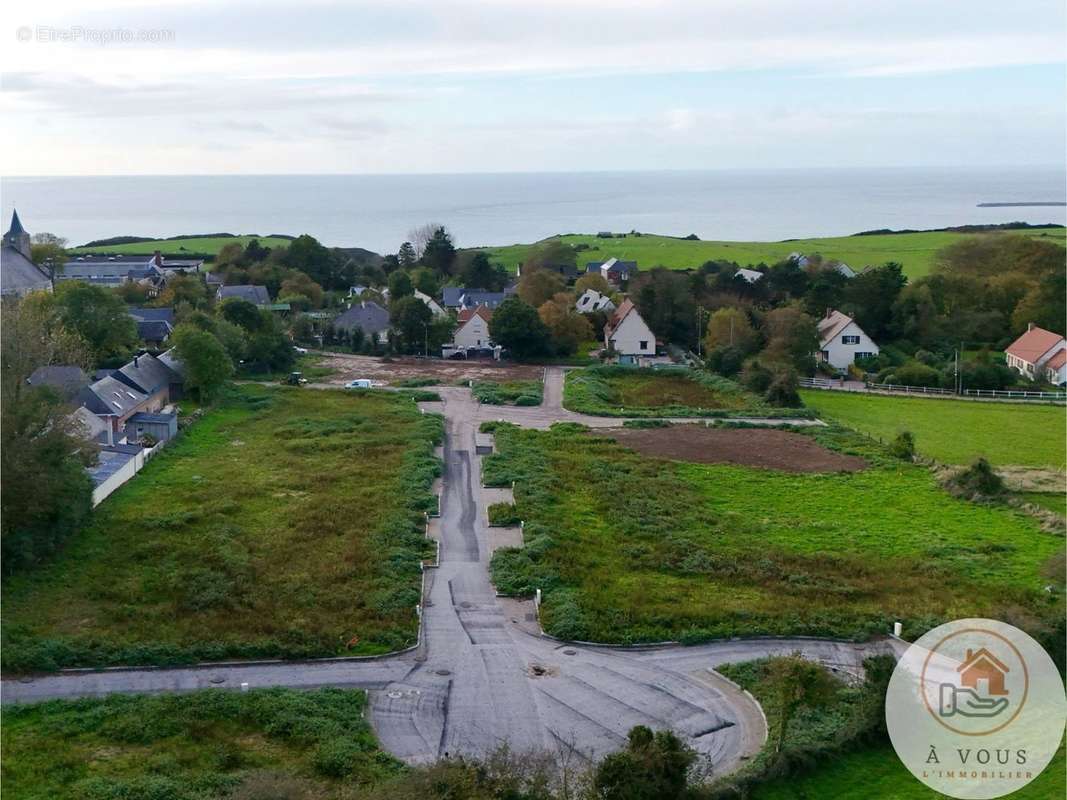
[[465, 604], [218, 679], [570, 652], [395, 695], [26, 679], [444, 672]]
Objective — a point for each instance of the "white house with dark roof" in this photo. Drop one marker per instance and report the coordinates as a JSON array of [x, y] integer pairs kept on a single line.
[[627, 334], [592, 300], [369, 317], [842, 341]]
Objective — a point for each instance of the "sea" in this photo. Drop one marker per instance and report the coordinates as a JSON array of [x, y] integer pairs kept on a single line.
[[377, 212]]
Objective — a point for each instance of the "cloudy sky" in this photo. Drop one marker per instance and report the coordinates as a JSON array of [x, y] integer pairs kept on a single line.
[[312, 86]]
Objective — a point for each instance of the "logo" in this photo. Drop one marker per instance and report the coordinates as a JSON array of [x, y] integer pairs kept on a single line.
[[975, 709]]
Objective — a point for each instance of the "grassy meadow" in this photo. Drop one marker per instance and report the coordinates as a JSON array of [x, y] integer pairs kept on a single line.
[[266, 743], [285, 523], [914, 250], [630, 549], [198, 246], [618, 391], [954, 431]]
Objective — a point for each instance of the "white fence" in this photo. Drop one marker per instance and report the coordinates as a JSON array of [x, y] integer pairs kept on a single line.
[[931, 391]]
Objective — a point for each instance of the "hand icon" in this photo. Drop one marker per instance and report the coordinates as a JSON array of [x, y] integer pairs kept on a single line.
[[968, 703]]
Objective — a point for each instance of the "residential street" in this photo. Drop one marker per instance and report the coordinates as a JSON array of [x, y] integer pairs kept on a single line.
[[482, 674]]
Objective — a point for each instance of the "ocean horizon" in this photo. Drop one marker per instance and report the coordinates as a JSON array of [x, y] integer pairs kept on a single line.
[[377, 211]]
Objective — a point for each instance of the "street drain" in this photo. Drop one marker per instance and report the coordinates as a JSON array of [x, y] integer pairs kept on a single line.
[[443, 672], [570, 652], [395, 695], [217, 679]]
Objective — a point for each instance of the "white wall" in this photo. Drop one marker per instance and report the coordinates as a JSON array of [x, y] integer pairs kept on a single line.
[[473, 333], [840, 355], [633, 337]]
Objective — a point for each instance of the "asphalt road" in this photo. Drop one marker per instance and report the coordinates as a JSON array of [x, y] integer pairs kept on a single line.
[[483, 675]]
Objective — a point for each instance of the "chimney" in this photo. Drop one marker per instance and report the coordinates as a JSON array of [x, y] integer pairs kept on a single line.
[[1029, 327], [157, 258], [970, 655], [829, 311]]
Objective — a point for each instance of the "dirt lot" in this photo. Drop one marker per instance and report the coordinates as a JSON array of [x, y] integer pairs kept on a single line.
[[346, 368], [749, 447]]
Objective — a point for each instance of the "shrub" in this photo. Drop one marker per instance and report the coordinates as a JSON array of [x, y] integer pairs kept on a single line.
[[756, 378], [903, 446], [782, 393], [503, 514], [916, 374], [976, 482]]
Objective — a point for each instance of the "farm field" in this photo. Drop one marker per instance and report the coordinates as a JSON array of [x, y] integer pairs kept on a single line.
[[285, 523], [631, 549], [203, 245], [954, 431], [615, 391], [914, 250], [215, 743]]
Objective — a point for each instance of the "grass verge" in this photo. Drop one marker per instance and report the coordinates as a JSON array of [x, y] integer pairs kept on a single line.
[[286, 523], [207, 744], [512, 393], [629, 549]]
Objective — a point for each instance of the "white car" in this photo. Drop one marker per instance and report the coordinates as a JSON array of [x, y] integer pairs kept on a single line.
[[302, 351], [360, 383]]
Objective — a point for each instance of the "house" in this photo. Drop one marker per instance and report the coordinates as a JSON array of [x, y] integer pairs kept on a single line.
[[108, 270], [473, 330], [749, 275], [114, 402], [843, 268], [613, 270], [592, 300], [1029, 354], [148, 375], [64, 380], [18, 274], [369, 317], [566, 271], [981, 665], [627, 334], [257, 295], [457, 297], [1056, 369], [799, 259], [430, 303], [154, 325], [89, 425], [842, 341], [170, 360]]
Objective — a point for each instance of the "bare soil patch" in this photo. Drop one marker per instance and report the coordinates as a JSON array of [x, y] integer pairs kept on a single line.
[[749, 447], [350, 367]]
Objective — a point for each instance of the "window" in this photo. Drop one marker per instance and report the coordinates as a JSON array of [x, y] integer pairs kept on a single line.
[[850, 340], [864, 354], [643, 344]]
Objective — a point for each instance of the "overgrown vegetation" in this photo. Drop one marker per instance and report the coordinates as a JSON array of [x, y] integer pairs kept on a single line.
[[628, 549], [266, 743], [954, 431], [286, 523], [617, 391], [518, 393], [503, 514]]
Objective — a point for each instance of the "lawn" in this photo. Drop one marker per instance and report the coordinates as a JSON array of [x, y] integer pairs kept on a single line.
[[617, 391], [207, 744], [914, 250], [954, 431], [285, 523], [629, 549], [178, 248]]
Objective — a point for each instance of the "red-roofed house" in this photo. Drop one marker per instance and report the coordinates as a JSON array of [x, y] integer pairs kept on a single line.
[[842, 341], [628, 336], [1056, 369], [473, 330], [1031, 353]]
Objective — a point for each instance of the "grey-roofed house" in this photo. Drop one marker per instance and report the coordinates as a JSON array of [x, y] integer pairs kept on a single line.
[[457, 297], [170, 360], [89, 425], [149, 375], [161, 427], [152, 314], [253, 294], [369, 317], [154, 331], [18, 274], [65, 380], [113, 401], [613, 270]]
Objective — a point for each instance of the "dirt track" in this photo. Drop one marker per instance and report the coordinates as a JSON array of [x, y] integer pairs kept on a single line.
[[350, 367], [749, 447]]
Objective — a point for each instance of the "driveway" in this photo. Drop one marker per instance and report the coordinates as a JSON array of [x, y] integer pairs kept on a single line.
[[482, 674]]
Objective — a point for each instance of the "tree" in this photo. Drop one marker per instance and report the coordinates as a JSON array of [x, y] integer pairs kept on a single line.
[[419, 237], [184, 289], [400, 285], [205, 361], [425, 280], [268, 348], [654, 766], [666, 304], [568, 328], [48, 251], [517, 327], [406, 257], [594, 281], [299, 283], [439, 253], [254, 251], [792, 338], [798, 684], [869, 298], [476, 271], [783, 391], [306, 254], [241, 312], [99, 316], [410, 319], [45, 493], [730, 327], [538, 286]]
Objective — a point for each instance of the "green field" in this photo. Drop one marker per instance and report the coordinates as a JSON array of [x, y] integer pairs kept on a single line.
[[876, 771], [286, 523], [914, 250], [267, 743], [630, 549], [200, 246], [954, 431], [618, 391]]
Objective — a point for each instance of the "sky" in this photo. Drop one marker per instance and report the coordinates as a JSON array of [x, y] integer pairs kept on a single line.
[[440, 86]]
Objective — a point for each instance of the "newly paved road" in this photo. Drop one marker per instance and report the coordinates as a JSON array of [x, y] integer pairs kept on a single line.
[[482, 674]]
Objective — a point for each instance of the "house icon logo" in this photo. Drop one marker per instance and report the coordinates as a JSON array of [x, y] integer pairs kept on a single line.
[[974, 682]]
